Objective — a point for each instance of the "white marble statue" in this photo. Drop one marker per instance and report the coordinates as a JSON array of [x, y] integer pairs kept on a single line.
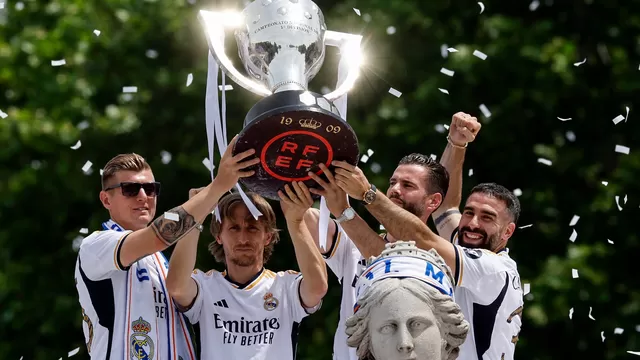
[[405, 308]]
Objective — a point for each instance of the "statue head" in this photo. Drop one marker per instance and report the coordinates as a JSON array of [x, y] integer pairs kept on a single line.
[[405, 308]]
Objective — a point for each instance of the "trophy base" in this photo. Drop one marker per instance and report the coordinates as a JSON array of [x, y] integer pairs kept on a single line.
[[292, 132]]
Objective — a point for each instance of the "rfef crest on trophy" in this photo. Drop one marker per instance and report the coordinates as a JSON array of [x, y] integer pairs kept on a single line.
[[281, 44]]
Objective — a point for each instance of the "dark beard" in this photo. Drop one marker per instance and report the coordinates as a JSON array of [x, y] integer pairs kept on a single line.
[[488, 242], [243, 260], [417, 210]]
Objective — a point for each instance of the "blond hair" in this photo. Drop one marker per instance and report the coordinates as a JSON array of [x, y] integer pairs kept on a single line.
[[123, 162]]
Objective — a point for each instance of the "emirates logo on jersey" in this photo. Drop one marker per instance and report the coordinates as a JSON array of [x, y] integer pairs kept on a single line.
[[270, 302]]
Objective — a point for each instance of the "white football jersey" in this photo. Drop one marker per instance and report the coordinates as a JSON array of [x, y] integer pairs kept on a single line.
[[257, 321], [101, 281], [346, 262], [489, 293]]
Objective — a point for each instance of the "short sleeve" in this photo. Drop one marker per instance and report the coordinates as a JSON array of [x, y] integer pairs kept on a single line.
[[99, 254], [340, 253], [297, 310], [474, 264], [194, 311]]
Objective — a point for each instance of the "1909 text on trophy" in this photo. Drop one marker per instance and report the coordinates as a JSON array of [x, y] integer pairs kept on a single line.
[[281, 44]]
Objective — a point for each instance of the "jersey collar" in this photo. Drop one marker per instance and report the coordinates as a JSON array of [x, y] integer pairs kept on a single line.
[[243, 286]]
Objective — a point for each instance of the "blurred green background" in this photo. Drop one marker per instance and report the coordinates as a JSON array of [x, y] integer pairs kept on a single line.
[[527, 81]]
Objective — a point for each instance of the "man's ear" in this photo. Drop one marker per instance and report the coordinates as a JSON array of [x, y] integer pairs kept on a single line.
[[434, 202], [511, 228], [104, 199], [269, 239]]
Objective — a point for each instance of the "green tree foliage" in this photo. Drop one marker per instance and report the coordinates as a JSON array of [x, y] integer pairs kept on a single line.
[[527, 81]]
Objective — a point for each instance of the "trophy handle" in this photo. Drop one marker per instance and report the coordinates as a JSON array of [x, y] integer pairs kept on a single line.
[[215, 23], [349, 45]]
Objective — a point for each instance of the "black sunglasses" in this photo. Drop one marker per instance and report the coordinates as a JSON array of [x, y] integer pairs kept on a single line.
[[132, 189]]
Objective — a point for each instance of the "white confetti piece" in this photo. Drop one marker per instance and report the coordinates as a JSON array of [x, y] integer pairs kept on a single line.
[[447, 72], [574, 220], [96, 32], [3, 114], [440, 128], [618, 331], [580, 63], [226, 87], [525, 226], [444, 91], [485, 111], [633, 352], [590, 310], [618, 203], [470, 172], [443, 51], [101, 172], [446, 126], [480, 55], [622, 149], [391, 30], [564, 119], [602, 335], [574, 273], [534, 5], [207, 163], [166, 157], [571, 136], [151, 54], [609, 241], [376, 168], [83, 125], [574, 236], [171, 216], [395, 92], [369, 152], [526, 289], [481, 7], [73, 352], [364, 159], [434, 157], [571, 313], [517, 192], [77, 145], [129, 89], [626, 117], [357, 11], [189, 79], [605, 183], [58, 62], [625, 199], [87, 166], [617, 119], [84, 231], [545, 161], [452, 50], [2, 7]]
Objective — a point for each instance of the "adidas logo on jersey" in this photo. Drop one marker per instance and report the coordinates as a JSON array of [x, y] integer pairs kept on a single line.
[[221, 303]]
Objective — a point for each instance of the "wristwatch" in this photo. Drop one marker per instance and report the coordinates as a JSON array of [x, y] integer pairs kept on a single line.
[[369, 195], [347, 214]]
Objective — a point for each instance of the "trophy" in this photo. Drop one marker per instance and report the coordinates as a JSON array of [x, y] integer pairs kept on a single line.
[[281, 44]]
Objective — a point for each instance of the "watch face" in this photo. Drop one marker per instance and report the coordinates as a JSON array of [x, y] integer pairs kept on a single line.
[[369, 196], [350, 213]]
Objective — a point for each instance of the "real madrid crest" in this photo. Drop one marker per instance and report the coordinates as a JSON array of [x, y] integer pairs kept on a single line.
[[140, 343], [270, 302]]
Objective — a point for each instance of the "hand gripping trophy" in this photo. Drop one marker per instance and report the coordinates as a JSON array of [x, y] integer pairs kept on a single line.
[[281, 44]]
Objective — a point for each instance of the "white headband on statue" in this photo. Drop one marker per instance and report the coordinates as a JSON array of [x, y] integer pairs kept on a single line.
[[403, 259]]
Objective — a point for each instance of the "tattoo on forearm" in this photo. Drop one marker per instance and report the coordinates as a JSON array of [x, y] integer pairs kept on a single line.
[[445, 215], [170, 231]]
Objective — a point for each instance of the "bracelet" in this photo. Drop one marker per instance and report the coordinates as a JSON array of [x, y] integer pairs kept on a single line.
[[456, 146]]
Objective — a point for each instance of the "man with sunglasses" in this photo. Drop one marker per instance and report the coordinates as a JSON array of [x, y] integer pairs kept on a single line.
[[120, 272]]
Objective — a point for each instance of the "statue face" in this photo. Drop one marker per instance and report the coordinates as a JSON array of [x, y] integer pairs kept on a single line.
[[404, 327]]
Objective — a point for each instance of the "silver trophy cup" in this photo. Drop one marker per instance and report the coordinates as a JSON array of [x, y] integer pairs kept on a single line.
[[281, 44]]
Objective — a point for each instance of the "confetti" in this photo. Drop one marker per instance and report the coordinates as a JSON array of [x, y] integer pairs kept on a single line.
[[618, 203], [481, 7], [2, 7], [452, 50], [571, 313], [376, 168], [622, 149], [395, 92], [166, 157], [444, 91], [207, 163], [602, 335], [171, 216], [517, 192], [77, 145], [443, 51], [574, 220], [525, 226], [391, 30], [87, 166], [226, 87], [440, 128], [527, 289], [609, 241], [544, 161], [574, 236], [564, 119], [534, 5], [73, 352], [101, 172], [625, 119], [97, 32], [590, 316], [189, 79], [446, 126], [369, 152], [485, 111], [574, 273], [625, 199], [480, 55], [618, 331], [433, 156], [83, 125], [571, 136], [470, 172], [633, 352], [58, 62], [364, 159], [617, 119], [151, 54], [447, 72], [580, 63], [605, 183], [84, 231], [129, 89], [3, 114], [357, 11]]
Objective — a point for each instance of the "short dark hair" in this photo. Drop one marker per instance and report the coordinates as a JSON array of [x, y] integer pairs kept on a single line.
[[501, 193], [438, 178]]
